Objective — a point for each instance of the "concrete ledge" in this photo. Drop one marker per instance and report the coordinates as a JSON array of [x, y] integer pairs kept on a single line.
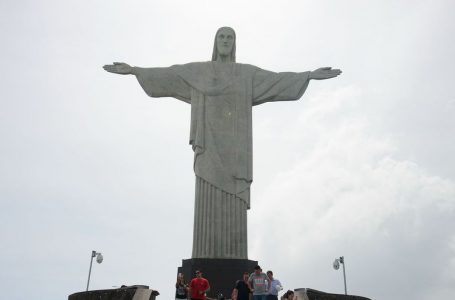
[[310, 294], [135, 292]]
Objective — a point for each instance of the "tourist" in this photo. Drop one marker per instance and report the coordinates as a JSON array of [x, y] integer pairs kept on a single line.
[[242, 288], [181, 288], [259, 283], [199, 286], [289, 295], [274, 287]]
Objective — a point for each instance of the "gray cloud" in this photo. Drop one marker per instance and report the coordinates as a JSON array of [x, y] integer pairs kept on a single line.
[[362, 166]]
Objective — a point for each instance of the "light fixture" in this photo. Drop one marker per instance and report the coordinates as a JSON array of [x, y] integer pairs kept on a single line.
[[336, 266], [99, 259]]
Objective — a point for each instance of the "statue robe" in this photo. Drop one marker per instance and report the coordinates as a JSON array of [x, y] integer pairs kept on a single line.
[[221, 97]]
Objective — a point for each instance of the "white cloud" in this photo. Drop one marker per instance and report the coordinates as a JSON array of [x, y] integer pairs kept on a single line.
[[347, 194]]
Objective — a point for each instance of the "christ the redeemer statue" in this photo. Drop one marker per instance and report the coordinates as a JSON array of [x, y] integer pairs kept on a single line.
[[222, 93]]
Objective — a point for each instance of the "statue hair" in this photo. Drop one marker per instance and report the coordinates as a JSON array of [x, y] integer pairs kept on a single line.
[[215, 48]]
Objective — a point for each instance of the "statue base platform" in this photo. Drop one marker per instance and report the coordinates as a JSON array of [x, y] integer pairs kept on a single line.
[[310, 294], [222, 274]]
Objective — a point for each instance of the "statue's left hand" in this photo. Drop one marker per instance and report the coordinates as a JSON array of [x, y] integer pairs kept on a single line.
[[324, 73]]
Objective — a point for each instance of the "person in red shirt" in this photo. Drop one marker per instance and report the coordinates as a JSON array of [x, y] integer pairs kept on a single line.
[[199, 286]]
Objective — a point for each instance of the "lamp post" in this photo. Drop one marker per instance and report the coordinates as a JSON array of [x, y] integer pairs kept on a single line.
[[99, 259], [336, 266]]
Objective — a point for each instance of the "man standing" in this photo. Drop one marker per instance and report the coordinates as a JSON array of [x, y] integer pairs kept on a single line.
[[274, 287], [199, 286], [259, 283], [242, 289]]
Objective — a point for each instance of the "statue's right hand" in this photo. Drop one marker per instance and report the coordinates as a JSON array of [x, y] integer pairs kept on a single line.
[[119, 68]]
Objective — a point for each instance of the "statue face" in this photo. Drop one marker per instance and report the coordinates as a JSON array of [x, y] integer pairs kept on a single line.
[[225, 41]]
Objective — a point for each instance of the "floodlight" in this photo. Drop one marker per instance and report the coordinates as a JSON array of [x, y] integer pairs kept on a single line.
[[99, 259], [336, 264]]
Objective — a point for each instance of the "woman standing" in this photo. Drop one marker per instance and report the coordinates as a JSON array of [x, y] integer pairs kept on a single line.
[[181, 288]]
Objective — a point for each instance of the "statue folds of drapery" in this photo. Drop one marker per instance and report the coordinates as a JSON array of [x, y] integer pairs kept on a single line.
[[221, 97]]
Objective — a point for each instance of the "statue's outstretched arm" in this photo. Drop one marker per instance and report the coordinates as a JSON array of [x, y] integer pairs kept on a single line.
[[324, 73], [119, 68], [156, 82]]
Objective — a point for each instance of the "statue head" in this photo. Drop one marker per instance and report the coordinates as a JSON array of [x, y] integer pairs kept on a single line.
[[224, 46]]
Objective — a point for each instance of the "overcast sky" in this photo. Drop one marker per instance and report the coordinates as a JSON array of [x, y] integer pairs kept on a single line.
[[362, 166]]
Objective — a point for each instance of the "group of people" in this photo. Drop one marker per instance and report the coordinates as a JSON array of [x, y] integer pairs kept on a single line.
[[197, 289], [254, 286]]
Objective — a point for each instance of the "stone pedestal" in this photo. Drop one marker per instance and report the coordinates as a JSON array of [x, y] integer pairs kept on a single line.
[[221, 273]]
